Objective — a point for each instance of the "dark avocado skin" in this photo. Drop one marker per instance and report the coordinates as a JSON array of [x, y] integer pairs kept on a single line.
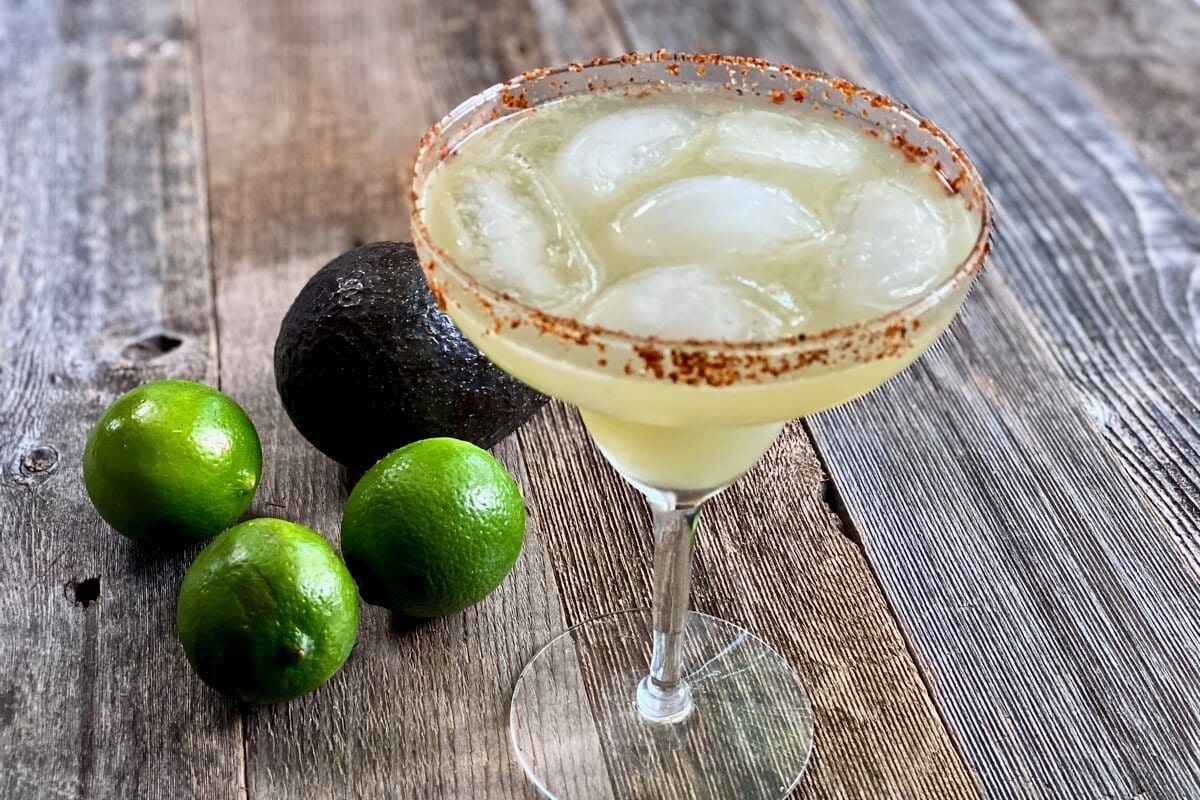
[[366, 363]]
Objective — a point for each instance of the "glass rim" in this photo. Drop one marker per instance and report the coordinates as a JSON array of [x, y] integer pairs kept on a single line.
[[573, 330]]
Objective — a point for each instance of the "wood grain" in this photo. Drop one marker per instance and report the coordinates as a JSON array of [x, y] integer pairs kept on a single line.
[[1081, 357], [309, 130], [104, 283], [1026, 492], [312, 113], [1137, 63]]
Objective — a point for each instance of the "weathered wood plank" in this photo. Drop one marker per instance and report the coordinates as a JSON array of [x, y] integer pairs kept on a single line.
[[312, 112], [1137, 62], [103, 247], [1026, 493], [1092, 340]]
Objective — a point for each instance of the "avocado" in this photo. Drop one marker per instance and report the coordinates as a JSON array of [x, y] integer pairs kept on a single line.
[[365, 362]]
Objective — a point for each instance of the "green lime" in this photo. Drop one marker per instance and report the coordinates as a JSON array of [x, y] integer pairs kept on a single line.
[[433, 528], [267, 611], [172, 462]]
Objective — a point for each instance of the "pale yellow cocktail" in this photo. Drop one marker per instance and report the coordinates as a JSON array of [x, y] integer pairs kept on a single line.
[[690, 213]]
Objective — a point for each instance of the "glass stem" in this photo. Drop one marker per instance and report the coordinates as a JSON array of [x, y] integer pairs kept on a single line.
[[664, 696]]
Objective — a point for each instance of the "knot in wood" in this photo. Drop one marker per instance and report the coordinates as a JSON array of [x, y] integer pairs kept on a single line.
[[35, 465], [42, 458]]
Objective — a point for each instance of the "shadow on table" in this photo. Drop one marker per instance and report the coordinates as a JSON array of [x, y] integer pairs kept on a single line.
[[402, 625]]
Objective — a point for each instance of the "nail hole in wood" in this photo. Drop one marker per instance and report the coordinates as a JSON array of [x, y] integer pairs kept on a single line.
[[83, 592], [151, 347]]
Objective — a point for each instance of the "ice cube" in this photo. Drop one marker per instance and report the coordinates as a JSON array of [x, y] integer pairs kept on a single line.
[[609, 152], [797, 297], [520, 239], [769, 138], [890, 244], [686, 302], [713, 217]]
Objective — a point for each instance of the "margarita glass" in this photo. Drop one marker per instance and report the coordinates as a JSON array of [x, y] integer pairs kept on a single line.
[[665, 702]]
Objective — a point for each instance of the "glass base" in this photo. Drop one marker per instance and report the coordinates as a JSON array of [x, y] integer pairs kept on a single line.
[[576, 729]]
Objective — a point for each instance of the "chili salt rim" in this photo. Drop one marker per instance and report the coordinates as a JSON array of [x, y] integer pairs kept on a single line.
[[893, 325]]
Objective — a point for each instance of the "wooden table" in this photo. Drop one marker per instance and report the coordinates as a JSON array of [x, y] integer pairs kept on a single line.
[[986, 572]]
